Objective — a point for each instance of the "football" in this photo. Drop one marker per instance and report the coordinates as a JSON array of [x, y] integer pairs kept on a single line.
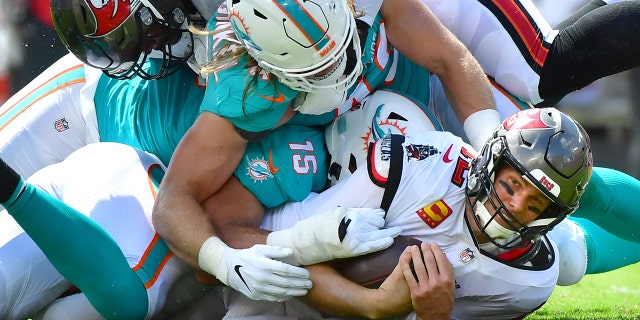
[[372, 269]]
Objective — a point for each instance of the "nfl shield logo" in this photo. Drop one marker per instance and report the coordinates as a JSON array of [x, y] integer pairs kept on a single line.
[[467, 255], [61, 125]]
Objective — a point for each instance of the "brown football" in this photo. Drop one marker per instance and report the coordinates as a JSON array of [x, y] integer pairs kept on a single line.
[[372, 269]]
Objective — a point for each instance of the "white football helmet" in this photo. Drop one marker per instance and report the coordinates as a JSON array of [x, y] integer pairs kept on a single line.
[[382, 112], [309, 45]]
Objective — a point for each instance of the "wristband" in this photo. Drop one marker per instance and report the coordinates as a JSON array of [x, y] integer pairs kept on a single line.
[[314, 239], [480, 125], [210, 258]]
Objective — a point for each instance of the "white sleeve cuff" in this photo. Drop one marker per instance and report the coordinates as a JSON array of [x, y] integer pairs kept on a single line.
[[480, 125]]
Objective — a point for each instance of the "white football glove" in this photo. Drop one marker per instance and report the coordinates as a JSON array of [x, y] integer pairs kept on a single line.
[[340, 233], [253, 271]]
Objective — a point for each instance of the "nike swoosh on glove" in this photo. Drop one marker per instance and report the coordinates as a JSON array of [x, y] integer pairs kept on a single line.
[[339, 233], [253, 271]]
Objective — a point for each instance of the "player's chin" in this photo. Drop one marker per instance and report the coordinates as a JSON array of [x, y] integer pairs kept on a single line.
[[372, 269]]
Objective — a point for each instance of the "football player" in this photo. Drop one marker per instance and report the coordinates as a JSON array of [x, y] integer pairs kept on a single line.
[[537, 62], [399, 119], [235, 115], [488, 212]]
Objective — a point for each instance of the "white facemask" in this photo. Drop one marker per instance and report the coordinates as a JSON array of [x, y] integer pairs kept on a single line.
[[494, 229], [318, 102], [323, 99]]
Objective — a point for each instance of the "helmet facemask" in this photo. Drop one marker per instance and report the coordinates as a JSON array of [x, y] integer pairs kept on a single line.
[[173, 35], [481, 193], [118, 37]]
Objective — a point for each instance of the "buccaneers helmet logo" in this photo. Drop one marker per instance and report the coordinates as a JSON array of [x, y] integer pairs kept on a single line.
[[530, 119], [109, 14]]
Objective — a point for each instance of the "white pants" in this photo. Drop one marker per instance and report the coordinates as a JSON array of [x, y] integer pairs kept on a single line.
[[501, 55], [109, 182], [49, 118]]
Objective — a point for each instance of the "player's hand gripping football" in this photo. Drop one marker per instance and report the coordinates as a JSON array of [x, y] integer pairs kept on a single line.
[[253, 271], [339, 233]]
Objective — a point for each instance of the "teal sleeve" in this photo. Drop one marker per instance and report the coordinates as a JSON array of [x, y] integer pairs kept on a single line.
[[251, 103], [83, 252], [606, 252]]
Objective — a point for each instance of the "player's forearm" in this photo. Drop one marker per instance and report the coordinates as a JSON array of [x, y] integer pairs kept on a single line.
[[235, 214], [466, 85], [467, 89], [418, 35], [335, 295], [182, 224], [198, 170]]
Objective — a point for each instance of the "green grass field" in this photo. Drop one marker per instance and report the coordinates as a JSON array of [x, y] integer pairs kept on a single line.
[[611, 295]]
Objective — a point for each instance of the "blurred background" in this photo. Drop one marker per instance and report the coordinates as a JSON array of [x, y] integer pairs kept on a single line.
[[29, 44]]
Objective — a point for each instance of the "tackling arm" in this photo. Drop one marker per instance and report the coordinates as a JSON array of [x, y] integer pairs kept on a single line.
[[417, 34], [204, 160], [199, 167]]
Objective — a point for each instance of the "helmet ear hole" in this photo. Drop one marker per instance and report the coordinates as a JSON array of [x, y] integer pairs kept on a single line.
[[353, 163]]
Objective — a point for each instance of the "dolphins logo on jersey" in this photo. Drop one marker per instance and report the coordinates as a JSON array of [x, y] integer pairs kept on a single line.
[[381, 127], [259, 169], [109, 14]]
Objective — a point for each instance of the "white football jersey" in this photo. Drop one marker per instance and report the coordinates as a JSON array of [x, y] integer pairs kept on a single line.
[[428, 203]]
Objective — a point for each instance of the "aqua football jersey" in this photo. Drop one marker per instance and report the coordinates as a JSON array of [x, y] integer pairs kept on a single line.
[[286, 165]]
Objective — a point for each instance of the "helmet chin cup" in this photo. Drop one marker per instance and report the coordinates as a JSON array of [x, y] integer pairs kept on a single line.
[[490, 226]]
